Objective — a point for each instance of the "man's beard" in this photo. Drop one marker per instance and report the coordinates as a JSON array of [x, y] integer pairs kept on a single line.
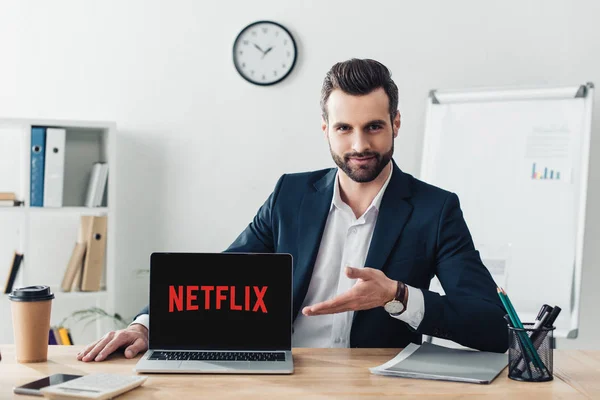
[[363, 173]]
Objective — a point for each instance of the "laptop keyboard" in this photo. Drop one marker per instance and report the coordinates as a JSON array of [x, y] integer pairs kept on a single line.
[[217, 356]]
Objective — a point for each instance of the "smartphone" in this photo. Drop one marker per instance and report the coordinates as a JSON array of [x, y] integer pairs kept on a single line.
[[33, 388]]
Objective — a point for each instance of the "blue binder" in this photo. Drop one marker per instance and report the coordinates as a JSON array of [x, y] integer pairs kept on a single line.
[[38, 151]]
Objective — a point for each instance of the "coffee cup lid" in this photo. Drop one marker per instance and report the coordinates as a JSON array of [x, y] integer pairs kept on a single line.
[[31, 293]]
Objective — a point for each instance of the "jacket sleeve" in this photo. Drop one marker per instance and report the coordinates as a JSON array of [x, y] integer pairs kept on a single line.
[[470, 313], [258, 236]]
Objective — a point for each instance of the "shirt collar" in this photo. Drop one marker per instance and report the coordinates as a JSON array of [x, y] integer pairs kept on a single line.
[[337, 201]]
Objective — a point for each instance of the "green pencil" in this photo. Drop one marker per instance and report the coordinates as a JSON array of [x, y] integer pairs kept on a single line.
[[514, 317]]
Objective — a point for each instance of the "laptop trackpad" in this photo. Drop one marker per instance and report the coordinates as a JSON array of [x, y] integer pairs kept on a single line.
[[163, 365], [208, 366]]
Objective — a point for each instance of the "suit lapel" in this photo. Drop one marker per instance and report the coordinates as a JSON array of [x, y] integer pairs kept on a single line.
[[394, 211], [312, 217]]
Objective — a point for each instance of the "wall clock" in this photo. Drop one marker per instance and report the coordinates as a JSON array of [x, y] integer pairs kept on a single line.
[[264, 53]]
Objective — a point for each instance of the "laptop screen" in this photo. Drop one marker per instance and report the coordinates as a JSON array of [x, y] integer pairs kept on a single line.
[[220, 301]]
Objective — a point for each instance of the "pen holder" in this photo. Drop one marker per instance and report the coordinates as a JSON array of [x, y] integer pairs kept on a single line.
[[530, 360]]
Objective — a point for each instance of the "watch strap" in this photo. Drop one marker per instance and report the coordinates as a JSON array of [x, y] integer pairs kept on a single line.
[[401, 293]]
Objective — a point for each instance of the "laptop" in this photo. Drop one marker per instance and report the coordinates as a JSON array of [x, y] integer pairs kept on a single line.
[[219, 313]]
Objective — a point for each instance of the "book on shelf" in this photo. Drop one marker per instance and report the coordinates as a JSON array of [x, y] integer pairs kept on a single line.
[[52, 337], [64, 337], [12, 273], [60, 335], [73, 267], [10, 203], [9, 199], [97, 185], [9, 196], [86, 264]]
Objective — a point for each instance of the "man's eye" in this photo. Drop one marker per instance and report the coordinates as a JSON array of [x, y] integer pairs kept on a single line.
[[374, 127], [343, 128]]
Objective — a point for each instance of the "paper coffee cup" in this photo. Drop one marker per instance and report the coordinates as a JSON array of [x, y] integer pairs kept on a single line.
[[31, 307]]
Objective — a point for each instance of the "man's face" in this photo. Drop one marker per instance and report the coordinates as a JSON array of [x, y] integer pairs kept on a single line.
[[360, 133]]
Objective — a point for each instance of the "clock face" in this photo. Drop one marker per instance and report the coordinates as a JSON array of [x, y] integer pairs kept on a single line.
[[264, 53]]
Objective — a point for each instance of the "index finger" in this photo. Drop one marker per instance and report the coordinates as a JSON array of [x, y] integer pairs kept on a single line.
[[338, 304], [117, 342]]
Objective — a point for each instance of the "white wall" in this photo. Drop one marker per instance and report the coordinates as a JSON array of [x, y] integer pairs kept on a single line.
[[200, 148]]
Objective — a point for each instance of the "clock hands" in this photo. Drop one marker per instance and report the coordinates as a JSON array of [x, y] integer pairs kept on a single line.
[[258, 47], [268, 50], [264, 52]]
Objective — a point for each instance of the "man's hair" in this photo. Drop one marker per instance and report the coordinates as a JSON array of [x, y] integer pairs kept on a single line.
[[359, 77]]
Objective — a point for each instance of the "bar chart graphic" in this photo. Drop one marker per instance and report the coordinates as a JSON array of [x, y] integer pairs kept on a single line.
[[544, 173]]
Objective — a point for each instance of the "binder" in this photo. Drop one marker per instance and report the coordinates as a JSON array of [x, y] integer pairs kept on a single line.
[[54, 167], [75, 264], [95, 252], [38, 151]]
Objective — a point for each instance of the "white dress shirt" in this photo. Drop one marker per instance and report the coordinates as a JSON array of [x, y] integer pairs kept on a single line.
[[345, 242]]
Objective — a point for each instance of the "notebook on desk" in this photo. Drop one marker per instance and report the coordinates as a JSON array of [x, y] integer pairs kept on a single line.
[[429, 361]]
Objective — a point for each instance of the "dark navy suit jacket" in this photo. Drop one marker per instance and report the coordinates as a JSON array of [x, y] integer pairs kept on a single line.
[[420, 232]]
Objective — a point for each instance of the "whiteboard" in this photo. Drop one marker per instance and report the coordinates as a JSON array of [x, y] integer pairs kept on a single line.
[[518, 161]]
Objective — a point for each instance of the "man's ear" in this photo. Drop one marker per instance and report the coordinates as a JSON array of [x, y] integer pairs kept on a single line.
[[324, 126], [397, 123]]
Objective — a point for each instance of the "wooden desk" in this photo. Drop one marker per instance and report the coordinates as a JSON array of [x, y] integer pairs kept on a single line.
[[319, 374]]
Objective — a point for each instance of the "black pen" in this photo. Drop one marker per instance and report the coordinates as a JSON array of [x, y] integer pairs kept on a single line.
[[544, 308], [552, 317]]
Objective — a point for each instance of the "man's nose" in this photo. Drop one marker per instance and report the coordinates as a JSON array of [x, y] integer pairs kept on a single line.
[[360, 143]]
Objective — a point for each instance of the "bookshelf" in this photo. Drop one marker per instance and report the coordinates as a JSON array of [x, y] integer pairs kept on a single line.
[[46, 235]]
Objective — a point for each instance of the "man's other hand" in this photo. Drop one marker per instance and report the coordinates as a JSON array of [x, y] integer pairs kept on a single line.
[[134, 339], [372, 289]]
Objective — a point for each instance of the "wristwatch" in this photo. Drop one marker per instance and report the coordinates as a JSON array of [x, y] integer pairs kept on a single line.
[[396, 306]]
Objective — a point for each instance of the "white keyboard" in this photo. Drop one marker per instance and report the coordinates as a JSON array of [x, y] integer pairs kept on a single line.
[[94, 386]]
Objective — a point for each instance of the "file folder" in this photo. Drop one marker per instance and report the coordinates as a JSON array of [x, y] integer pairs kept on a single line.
[[38, 151], [54, 168], [95, 252]]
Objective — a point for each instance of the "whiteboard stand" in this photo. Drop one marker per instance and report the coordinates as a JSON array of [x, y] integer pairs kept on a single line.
[[518, 160]]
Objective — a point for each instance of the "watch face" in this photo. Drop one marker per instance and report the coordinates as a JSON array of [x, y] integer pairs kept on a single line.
[[264, 53], [394, 307]]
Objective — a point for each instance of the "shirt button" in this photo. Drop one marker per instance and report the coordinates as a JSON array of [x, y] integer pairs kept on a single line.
[[420, 315], [353, 230], [337, 340]]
